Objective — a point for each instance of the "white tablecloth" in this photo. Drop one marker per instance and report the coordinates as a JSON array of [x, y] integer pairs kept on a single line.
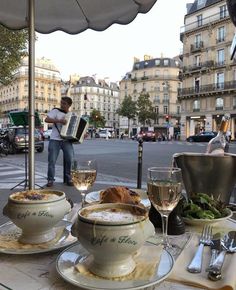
[[38, 272]]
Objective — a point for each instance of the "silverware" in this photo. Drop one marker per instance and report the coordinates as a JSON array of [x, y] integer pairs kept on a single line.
[[229, 246], [215, 249], [195, 265]]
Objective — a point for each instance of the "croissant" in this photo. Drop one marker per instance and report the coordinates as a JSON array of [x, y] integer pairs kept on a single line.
[[119, 194]]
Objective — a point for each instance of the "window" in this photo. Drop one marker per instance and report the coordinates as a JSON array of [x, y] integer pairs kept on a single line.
[[223, 11], [220, 80], [198, 40], [197, 60], [234, 102], [156, 99], [219, 104], [165, 110], [165, 98], [196, 105], [166, 62], [221, 34], [178, 110], [220, 57], [199, 20], [201, 3], [157, 62], [197, 84], [156, 109]]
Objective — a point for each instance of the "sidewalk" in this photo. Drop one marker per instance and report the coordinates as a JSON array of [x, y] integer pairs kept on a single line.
[[102, 181]]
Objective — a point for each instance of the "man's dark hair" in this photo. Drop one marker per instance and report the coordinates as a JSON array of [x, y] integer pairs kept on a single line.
[[68, 100]]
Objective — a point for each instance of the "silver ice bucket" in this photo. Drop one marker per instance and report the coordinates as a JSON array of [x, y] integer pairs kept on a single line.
[[213, 175]]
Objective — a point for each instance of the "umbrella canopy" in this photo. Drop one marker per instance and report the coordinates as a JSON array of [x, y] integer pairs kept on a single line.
[[70, 16]]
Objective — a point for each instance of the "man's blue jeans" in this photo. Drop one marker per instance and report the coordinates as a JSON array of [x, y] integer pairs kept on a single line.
[[53, 152]]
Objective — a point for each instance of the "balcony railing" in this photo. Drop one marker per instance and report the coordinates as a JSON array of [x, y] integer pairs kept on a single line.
[[205, 21], [211, 88], [197, 46], [199, 66]]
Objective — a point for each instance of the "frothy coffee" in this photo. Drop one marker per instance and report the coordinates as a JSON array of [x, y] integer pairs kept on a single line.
[[32, 195], [114, 215]]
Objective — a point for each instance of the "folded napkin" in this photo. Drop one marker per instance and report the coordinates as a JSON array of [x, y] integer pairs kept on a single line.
[[181, 275]]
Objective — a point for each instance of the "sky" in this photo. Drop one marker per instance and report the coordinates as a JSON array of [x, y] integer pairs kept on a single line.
[[110, 53]]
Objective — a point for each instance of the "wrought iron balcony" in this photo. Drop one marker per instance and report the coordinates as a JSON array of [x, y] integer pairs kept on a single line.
[[207, 89]]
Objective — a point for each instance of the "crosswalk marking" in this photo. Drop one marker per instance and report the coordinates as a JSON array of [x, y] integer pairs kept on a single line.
[[10, 172], [10, 176]]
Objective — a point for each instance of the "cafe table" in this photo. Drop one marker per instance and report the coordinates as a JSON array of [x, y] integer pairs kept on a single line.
[[38, 271]]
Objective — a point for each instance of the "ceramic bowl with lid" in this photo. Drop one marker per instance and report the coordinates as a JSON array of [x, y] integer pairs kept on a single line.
[[112, 233], [36, 212]]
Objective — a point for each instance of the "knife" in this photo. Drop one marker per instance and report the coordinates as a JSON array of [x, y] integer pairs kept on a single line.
[[215, 249], [229, 245]]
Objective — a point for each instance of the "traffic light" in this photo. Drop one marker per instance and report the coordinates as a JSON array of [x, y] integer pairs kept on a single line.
[[167, 118]]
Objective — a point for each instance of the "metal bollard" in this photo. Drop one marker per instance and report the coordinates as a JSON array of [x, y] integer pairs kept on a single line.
[[140, 162]]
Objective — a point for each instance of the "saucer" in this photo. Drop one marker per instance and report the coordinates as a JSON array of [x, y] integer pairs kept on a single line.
[[9, 234], [73, 255]]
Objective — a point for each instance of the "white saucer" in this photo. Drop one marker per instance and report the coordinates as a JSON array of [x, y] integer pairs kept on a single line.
[[76, 253], [12, 233], [94, 196]]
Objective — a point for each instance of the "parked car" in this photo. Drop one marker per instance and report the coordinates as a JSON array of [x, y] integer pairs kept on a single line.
[[47, 133], [205, 136], [19, 139], [146, 136], [104, 134]]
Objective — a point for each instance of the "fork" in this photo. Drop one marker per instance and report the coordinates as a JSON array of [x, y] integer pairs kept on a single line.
[[195, 265]]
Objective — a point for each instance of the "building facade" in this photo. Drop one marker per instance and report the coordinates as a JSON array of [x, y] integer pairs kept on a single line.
[[14, 97], [208, 74], [159, 77], [88, 94]]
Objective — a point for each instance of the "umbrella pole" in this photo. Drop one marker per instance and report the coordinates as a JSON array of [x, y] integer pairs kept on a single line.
[[31, 102]]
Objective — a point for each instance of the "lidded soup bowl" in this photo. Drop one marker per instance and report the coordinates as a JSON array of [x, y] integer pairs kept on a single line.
[[36, 212], [112, 233]]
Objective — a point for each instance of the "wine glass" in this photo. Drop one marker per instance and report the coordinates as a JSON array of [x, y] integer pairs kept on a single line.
[[164, 192], [83, 175]]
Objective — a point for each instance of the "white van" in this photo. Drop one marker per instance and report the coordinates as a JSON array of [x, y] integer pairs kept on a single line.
[[104, 133]]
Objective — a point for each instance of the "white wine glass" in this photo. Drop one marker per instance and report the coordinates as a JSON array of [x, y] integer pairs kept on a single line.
[[164, 192], [83, 173]]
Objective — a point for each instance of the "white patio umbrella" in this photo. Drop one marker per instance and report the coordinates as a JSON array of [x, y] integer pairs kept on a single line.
[[70, 16]]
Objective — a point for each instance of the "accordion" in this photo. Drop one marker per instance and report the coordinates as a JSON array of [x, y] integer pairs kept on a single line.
[[75, 128]]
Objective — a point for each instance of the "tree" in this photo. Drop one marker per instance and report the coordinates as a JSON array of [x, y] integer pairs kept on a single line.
[[13, 46], [96, 119], [128, 109], [145, 109]]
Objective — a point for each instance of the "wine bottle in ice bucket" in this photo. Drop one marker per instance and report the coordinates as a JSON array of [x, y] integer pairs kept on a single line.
[[218, 145]]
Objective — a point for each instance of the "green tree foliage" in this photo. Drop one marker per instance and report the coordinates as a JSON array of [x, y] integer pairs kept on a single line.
[[96, 119], [13, 46], [145, 110], [128, 109]]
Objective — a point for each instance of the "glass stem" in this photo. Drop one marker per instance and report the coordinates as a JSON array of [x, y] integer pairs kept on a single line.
[[164, 219], [83, 199]]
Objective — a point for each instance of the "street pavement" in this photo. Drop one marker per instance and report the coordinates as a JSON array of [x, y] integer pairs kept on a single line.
[[12, 173], [12, 179]]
